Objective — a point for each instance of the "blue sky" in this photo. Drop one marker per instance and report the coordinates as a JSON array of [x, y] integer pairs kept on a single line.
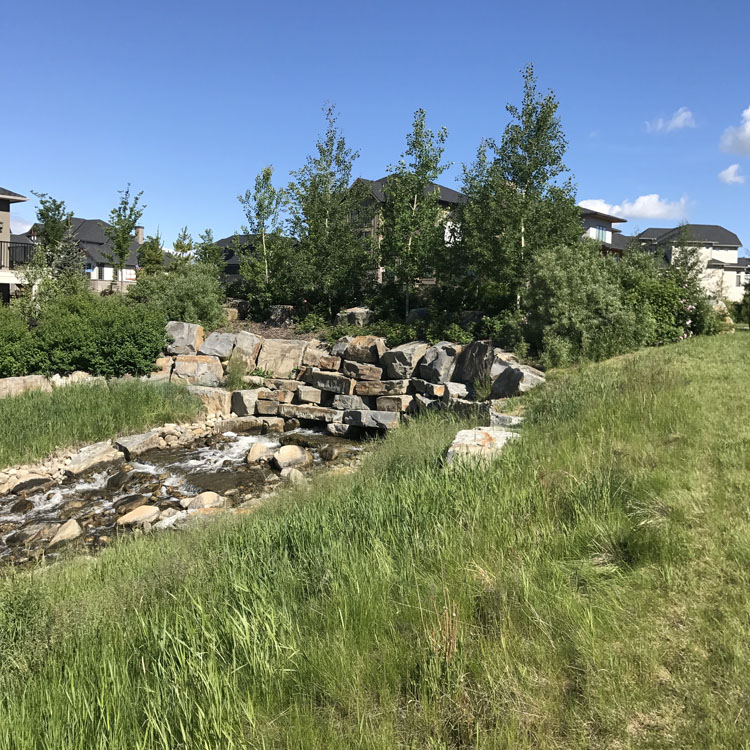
[[188, 101]]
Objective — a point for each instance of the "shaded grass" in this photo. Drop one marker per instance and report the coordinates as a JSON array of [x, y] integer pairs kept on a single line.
[[37, 424], [590, 588]]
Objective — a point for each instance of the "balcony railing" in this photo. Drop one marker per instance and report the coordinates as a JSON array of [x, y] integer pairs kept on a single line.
[[15, 254]]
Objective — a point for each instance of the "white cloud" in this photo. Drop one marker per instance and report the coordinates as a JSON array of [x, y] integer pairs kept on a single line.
[[643, 207], [19, 226], [682, 118], [731, 175], [736, 140]]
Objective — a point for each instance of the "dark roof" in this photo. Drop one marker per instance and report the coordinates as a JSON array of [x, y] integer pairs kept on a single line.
[[228, 244], [743, 262], [447, 195], [21, 239], [709, 234], [620, 241], [713, 263], [591, 212], [11, 196]]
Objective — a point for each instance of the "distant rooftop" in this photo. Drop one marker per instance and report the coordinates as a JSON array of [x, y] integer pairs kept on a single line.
[[10, 196], [447, 195], [707, 234]]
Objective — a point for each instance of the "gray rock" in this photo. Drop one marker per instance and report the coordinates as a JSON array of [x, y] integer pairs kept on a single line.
[[196, 369], [361, 371], [455, 392], [188, 337], [438, 363], [401, 362], [281, 357], [340, 347], [346, 403], [91, 456], [307, 394], [422, 403], [203, 500], [504, 420], [354, 316], [218, 345], [480, 443], [295, 476], [328, 381], [516, 380], [474, 362], [431, 390], [243, 402], [382, 388], [366, 349], [215, 400], [381, 420], [343, 430], [309, 412], [394, 403], [247, 425], [247, 346], [134, 445]]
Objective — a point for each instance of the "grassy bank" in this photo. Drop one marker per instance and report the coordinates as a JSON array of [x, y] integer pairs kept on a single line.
[[36, 424], [590, 589]]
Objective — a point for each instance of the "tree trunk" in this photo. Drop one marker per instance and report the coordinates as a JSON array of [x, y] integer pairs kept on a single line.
[[265, 256]]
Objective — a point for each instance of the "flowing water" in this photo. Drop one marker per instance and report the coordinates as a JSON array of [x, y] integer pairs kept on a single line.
[[28, 521]]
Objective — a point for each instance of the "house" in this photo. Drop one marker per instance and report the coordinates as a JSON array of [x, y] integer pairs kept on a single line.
[[15, 250], [598, 226], [724, 273]]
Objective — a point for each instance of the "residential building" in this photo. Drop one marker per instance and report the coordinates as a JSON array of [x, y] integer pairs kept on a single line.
[[724, 272], [598, 226], [15, 250]]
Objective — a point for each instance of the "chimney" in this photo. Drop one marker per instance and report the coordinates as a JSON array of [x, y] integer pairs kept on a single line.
[[139, 235]]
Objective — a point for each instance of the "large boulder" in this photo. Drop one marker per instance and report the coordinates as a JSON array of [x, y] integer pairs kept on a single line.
[[347, 403], [329, 381], [281, 357], [197, 369], [243, 402], [240, 425], [340, 347], [367, 349], [307, 394], [218, 345], [474, 362], [354, 316], [309, 412], [382, 387], [480, 443], [215, 400], [162, 370], [187, 337], [92, 456], [439, 361], [142, 514], [70, 530], [379, 420], [291, 456], [259, 452], [17, 386], [281, 316], [360, 371], [402, 361], [134, 445], [516, 380], [247, 346]]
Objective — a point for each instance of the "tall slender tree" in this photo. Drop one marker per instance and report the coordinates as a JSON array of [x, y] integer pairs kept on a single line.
[[182, 249], [151, 255], [209, 253], [123, 219], [52, 219], [413, 224]]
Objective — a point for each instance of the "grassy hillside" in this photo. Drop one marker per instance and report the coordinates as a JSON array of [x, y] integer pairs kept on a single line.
[[589, 589]]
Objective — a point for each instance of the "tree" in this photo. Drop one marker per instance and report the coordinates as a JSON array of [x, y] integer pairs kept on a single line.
[[52, 219], [209, 253], [413, 223], [182, 250], [516, 206], [68, 259], [333, 254], [123, 219], [151, 255]]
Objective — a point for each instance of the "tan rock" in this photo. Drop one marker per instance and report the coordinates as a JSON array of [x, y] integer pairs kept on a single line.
[[291, 456], [197, 370], [281, 357], [17, 386], [259, 452], [394, 403], [142, 514], [310, 412], [91, 456], [162, 370], [247, 346], [203, 500], [382, 388], [329, 381], [215, 400], [367, 349], [272, 425], [70, 530], [361, 371], [267, 408]]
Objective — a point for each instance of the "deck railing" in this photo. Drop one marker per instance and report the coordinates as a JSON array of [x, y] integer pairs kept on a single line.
[[14, 254]]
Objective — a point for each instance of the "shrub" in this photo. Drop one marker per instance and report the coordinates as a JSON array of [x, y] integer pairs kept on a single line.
[[236, 371], [191, 293], [17, 353]]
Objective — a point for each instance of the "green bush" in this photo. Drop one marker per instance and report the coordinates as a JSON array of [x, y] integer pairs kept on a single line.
[[191, 293], [17, 354]]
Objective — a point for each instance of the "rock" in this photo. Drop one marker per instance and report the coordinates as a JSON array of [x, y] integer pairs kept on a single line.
[[281, 357], [474, 362], [291, 424], [215, 400], [162, 370], [92, 456], [330, 362], [17, 386], [423, 403], [34, 532], [340, 347], [454, 392], [343, 430], [289, 456], [258, 452], [59, 381], [431, 390], [218, 345], [267, 394], [438, 363], [516, 380], [188, 337], [266, 408], [354, 316], [272, 425], [394, 403], [134, 445], [124, 505], [22, 506], [480, 443], [283, 384], [329, 381], [241, 425], [281, 316], [307, 394], [313, 354], [349, 402], [381, 420], [26, 482], [366, 349], [204, 500], [247, 346], [310, 412], [504, 420], [143, 514], [382, 388], [197, 370], [243, 402], [361, 371], [295, 476], [417, 314], [401, 362], [170, 521], [70, 530]]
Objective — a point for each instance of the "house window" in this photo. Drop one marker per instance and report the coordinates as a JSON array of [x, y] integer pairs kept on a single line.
[[738, 282], [100, 272], [600, 233]]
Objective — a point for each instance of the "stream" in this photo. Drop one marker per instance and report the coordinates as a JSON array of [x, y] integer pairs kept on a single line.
[[28, 521]]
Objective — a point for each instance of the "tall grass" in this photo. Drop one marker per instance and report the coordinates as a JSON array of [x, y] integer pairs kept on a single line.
[[590, 588], [36, 424]]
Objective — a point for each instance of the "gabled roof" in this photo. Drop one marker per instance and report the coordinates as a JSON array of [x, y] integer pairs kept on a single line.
[[447, 195], [620, 241], [20, 239], [10, 196], [706, 234]]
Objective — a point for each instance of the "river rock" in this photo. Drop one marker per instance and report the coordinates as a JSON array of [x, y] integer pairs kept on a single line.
[[204, 500], [143, 514], [215, 400], [259, 452], [188, 337], [34, 532], [381, 420], [281, 357], [366, 349], [328, 381], [92, 456], [134, 445], [70, 530], [290, 456], [480, 443], [516, 380], [354, 316], [247, 346], [439, 362], [26, 482], [19, 385], [338, 429], [295, 476], [272, 425], [401, 362], [218, 345], [124, 505], [197, 370], [361, 371]]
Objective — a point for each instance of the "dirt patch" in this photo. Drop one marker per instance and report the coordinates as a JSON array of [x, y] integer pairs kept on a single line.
[[268, 332]]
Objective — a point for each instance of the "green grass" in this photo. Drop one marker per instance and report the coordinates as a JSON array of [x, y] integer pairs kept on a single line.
[[36, 424], [589, 589]]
